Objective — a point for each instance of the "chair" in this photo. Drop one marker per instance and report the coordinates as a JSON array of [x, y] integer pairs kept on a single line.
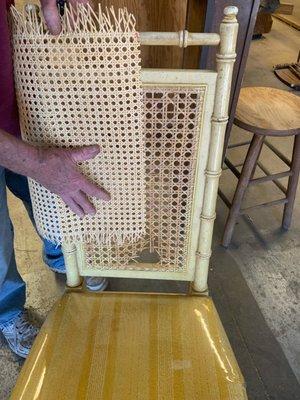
[[152, 346]]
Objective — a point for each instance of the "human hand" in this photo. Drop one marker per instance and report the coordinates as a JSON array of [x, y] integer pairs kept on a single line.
[[56, 169], [51, 14]]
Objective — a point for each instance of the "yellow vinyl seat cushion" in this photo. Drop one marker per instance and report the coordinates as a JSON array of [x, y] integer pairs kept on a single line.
[[119, 346]]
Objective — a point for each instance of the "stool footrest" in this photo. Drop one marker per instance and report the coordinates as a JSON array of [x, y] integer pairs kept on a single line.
[[271, 177], [278, 153], [267, 172], [224, 198], [270, 203], [234, 145], [232, 167], [236, 165]]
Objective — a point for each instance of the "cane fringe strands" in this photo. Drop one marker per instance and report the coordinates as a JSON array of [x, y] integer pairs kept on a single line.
[[80, 19], [81, 88]]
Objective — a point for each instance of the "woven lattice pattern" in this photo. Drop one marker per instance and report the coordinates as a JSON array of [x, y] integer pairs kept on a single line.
[[80, 88], [172, 133]]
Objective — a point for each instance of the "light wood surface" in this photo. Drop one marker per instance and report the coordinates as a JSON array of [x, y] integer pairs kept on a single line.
[[268, 111], [131, 346], [287, 76]]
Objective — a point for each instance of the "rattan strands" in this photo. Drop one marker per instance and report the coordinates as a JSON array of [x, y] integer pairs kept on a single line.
[[79, 88]]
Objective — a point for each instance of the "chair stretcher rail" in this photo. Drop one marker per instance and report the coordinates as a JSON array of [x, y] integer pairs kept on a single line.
[[181, 39]]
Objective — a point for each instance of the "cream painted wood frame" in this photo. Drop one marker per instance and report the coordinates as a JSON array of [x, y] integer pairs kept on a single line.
[[177, 79], [209, 153]]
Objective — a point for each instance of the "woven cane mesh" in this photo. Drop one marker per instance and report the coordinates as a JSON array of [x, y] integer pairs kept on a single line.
[[172, 133], [80, 88]]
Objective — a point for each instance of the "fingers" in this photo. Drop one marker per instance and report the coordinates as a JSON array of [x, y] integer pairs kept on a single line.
[[84, 203], [91, 189], [73, 206], [51, 15], [84, 153], [79, 202]]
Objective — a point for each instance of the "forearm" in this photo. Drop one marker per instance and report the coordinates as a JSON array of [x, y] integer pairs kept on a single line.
[[55, 169], [16, 155]]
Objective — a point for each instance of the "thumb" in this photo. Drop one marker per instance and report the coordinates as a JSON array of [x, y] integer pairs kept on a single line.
[[84, 153], [51, 15]]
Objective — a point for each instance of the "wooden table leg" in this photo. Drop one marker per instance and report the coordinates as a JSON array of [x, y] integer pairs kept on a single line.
[[249, 165], [292, 185]]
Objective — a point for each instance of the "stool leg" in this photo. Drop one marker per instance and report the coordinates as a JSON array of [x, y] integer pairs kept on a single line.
[[255, 165], [247, 171], [292, 185]]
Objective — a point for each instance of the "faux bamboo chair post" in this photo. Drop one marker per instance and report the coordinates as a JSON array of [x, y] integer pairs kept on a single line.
[[225, 61], [72, 272]]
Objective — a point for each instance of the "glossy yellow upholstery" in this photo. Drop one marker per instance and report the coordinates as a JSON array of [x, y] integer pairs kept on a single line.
[[131, 347]]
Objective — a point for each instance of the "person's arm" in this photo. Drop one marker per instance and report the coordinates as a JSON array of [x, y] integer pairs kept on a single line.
[[55, 169]]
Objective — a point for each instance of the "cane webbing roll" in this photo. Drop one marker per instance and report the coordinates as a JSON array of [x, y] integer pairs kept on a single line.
[[81, 88]]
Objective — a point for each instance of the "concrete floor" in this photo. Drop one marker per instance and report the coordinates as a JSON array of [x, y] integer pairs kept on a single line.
[[268, 258], [255, 283]]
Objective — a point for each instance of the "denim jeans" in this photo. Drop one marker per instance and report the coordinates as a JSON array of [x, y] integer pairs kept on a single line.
[[12, 286]]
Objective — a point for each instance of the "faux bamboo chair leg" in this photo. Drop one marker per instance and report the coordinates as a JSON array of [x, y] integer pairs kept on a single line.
[[249, 165], [292, 185], [73, 277]]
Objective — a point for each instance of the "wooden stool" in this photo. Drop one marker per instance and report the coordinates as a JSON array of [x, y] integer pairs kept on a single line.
[[264, 112]]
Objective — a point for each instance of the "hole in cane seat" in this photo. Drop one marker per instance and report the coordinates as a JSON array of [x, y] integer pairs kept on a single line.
[[147, 256]]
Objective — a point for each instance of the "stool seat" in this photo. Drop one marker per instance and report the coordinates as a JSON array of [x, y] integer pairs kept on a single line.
[[268, 111], [131, 347]]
